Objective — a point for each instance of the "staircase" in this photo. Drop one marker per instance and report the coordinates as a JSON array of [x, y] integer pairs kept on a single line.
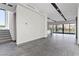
[[5, 35]]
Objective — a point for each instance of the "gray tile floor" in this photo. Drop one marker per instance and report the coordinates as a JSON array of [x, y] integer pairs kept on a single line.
[[55, 45]]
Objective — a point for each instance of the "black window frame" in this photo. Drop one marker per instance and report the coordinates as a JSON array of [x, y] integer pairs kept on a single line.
[[63, 30]]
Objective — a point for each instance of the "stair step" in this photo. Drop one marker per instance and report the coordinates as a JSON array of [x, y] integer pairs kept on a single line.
[[5, 34], [4, 30], [5, 38]]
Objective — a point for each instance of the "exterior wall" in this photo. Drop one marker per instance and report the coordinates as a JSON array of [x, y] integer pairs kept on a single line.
[[12, 24]]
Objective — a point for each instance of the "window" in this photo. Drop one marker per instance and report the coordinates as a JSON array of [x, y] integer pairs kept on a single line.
[[66, 28], [49, 27], [2, 18], [72, 28], [59, 28], [54, 28]]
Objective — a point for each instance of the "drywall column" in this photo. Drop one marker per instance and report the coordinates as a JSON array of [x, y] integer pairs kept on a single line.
[[76, 30], [46, 34], [12, 25], [7, 21], [30, 25], [78, 27]]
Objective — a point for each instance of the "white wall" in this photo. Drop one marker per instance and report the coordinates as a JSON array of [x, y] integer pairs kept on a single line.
[[78, 26], [29, 25], [12, 25]]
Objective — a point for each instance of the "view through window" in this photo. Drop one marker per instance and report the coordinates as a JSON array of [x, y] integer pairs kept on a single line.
[[72, 28], [59, 28], [54, 28], [65, 28], [2, 18]]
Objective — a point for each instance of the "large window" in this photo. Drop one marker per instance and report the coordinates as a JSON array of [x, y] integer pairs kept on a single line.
[[54, 28], [65, 28], [72, 28], [2, 18], [59, 28]]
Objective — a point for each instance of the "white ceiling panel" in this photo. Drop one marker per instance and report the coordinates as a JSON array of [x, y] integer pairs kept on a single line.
[[69, 10], [8, 8], [48, 9]]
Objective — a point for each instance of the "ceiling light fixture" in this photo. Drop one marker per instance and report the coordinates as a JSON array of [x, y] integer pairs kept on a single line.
[[59, 11]]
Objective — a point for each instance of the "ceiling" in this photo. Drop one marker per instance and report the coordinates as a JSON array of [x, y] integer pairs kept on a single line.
[[49, 10], [69, 10], [8, 6]]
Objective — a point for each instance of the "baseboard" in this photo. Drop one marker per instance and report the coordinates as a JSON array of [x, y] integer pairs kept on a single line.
[[13, 40]]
